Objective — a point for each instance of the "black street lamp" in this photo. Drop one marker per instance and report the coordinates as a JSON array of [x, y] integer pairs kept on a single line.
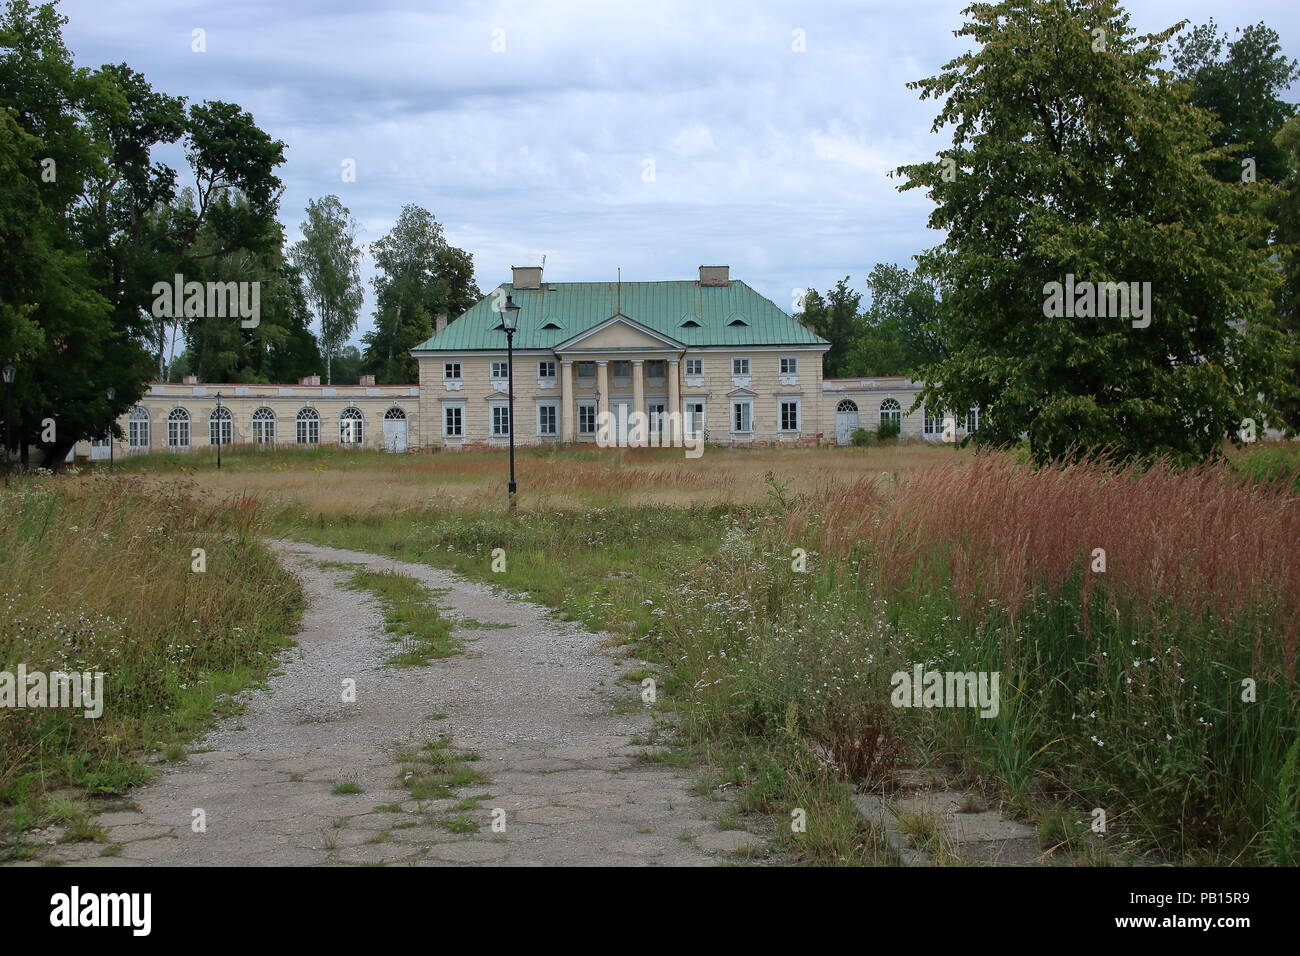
[[510, 324], [111, 393], [220, 431], [9, 416]]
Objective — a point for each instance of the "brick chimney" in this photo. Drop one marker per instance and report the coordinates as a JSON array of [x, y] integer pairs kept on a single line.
[[715, 275], [526, 277], [368, 380], [439, 322]]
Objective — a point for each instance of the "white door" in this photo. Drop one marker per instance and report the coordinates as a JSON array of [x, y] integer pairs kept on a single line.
[[655, 421], [99, 449], [846, 422], [621, 413], [395, 435]]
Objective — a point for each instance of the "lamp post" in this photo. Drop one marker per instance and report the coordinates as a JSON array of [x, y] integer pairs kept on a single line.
[[510, 324], [220, 422], [110, 393], [9, 416]]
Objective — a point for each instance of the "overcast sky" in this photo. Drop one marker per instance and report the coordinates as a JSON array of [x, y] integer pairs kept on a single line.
[[654, 136]]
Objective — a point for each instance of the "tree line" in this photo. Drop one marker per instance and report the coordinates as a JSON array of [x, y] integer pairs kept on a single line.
[[91, 224], [1085, 153]]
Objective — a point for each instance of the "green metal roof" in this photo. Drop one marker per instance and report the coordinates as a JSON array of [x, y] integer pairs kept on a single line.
[[575, 307]]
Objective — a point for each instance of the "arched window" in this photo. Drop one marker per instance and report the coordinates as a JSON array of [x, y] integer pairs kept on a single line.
[[178, 428], [973, 419], [395, 414], [847, 405], [263, 426], [137, 428], [308, 430], [352, 426], [891, 411], [220, 426]]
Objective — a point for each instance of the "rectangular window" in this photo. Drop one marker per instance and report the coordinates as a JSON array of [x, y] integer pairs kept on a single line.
[[695, 366], [586, 369], [547, 420], [973, 420], [451, 370], [742, 414], [500, 421], [621, 369], [587, 419], [789, 366], [789, 416], [656, 368], [740, 366], [546, 370], [499, 370], [453, 421], [138, 433], [933, 421]]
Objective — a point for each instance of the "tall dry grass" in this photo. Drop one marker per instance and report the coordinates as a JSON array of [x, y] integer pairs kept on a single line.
[[97, 574]]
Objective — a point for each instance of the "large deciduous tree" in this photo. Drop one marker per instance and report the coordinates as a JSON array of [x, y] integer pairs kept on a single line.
[[102, 224], [901, 329], [835, 317], [420, 276], [1240, 81], [1074, 154], [330, 262]]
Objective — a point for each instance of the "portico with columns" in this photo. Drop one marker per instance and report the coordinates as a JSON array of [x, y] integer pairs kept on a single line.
[[709, 355], [619, 367]]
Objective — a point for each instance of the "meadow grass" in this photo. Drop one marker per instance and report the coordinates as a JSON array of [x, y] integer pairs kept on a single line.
[[410, 616], [1161, 689], [97, 574]]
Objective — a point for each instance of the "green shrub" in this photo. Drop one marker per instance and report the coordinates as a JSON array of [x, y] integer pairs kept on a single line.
[[888, 429], [861, 437]]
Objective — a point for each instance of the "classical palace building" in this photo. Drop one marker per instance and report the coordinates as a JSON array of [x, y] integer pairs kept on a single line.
[[735, 368]]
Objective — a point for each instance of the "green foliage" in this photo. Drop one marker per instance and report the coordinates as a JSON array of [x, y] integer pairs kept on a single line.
[[89, 222], [420, 277], [330, 261], [1057, 141], [835, 318], [901, 329], [1284, 211], [890, 428], [862, 437], [1240, 81]]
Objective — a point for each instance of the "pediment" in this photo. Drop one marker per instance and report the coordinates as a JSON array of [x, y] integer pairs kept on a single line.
[[618, 332]]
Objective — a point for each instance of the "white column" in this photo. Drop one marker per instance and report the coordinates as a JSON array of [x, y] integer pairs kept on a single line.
[[568, 408], [638, 397], [674, 403], [602, 386]]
